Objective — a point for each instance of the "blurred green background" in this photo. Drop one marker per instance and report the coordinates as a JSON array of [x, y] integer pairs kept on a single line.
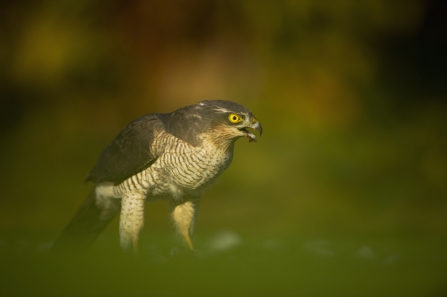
[[343, 195]]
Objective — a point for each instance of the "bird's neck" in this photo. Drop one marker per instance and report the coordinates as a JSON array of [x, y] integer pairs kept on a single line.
[[218, 143]]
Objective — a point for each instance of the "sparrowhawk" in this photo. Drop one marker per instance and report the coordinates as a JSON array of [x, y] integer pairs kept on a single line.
[[173, 156]]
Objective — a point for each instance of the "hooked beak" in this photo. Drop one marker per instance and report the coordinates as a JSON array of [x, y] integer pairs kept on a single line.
[[256, 126]]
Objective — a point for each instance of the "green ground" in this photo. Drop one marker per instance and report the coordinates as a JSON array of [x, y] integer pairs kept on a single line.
[[230, 264]]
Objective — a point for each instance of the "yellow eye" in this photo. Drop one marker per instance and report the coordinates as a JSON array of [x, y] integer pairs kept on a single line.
[[234, 118]]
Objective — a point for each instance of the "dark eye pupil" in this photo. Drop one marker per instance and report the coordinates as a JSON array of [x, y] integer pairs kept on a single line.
[[234, 118]]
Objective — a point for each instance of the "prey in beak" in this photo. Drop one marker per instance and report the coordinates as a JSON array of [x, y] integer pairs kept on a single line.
[[254, 125]]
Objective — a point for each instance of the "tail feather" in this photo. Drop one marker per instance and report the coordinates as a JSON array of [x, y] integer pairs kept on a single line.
[[87, 224]]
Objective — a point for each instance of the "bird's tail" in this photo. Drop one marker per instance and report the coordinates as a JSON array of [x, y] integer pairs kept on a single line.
[[89, 221]]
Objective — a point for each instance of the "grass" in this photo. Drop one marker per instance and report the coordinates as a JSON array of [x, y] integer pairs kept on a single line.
[[230, 264]]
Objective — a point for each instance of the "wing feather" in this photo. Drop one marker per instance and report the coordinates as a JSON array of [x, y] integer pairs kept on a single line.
[[129, 153]]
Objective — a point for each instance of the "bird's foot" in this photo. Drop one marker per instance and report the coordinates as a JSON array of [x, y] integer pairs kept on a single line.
[[178, 252]]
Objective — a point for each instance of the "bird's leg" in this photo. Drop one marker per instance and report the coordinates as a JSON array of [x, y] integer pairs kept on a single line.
[[183, 216], [131, 220]]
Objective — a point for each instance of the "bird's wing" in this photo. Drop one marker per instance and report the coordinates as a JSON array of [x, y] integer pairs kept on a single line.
[[129, 153]]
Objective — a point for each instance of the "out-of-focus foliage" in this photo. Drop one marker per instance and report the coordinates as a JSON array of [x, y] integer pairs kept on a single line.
[[351, 95]]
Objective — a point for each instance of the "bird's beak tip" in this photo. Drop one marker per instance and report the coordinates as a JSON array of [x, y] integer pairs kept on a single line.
[[257, 126]]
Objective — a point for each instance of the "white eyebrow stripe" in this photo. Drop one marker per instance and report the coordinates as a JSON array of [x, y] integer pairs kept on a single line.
[[221, 110]]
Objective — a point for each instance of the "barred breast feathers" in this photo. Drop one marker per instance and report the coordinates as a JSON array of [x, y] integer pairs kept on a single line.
[[180, 168]]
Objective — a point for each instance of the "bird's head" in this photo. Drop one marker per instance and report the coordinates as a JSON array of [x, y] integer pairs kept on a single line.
[[218, 120], [230, 120]]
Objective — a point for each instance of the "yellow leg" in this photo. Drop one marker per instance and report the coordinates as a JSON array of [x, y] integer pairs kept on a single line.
[[188, 242], [183, 216], [135, 245]]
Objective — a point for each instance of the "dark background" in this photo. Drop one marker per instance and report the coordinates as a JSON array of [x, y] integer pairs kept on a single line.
[[343, 195]]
